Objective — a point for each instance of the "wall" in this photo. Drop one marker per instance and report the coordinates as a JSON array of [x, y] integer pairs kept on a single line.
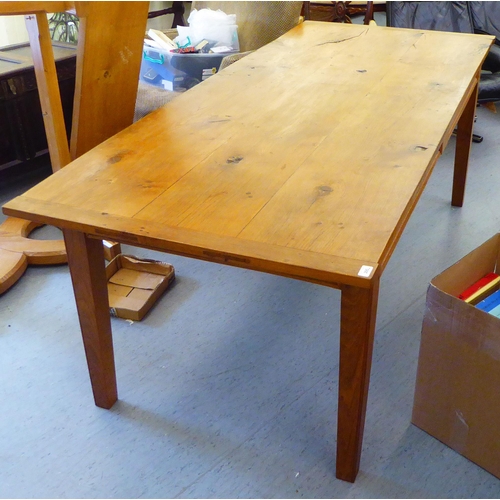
[[12, 30]]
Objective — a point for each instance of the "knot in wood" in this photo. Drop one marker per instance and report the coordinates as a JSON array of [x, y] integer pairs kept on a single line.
[[324, 190], [234, 159]]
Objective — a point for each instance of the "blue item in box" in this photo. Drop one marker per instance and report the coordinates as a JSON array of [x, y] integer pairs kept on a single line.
[[495, 311], [173, 71], [157, 70], [490, 302]]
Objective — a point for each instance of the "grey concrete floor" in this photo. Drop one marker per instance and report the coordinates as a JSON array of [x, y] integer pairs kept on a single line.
[[228, 387]]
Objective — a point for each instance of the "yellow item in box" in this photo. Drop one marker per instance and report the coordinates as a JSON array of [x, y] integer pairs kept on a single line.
[[483, 292]]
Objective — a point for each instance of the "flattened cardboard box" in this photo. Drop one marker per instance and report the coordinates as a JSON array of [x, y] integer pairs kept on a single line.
[[134, 285], [457, 394]]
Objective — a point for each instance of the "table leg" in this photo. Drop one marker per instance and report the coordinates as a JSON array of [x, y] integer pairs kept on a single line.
[[464, 140], [357, 328], [86, 265]]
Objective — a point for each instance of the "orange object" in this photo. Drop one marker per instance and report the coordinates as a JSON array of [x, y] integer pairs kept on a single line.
[[17, 250]]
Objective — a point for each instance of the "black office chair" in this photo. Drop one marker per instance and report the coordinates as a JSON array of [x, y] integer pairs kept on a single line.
[[461, 17]]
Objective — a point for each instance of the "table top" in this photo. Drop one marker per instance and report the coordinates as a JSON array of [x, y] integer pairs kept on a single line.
[[304, 159], [17, 57]]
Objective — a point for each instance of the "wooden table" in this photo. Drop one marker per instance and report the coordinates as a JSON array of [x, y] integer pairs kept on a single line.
[[305, 159]]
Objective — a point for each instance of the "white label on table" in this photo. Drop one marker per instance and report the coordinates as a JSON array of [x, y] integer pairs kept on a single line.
[[365, 271]]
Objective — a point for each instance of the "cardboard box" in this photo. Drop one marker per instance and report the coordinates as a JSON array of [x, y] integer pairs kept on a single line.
[[457, 395], [134, 285]]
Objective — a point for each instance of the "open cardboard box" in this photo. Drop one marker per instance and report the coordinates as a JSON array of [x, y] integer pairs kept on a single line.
[[134, 285], [457, 395]]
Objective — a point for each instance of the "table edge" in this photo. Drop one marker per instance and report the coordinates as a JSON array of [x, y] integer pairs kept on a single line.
[[319, 268]]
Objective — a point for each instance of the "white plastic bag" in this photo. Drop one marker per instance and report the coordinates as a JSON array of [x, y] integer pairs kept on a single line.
[[184, 37], [215, 26]]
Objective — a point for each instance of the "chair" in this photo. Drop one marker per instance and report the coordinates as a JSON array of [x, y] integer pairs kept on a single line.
[[258, 22], [342, 12], [16, 250], [463, 17], [96, 68], [177, 10]]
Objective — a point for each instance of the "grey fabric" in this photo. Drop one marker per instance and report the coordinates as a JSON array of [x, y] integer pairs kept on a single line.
[[150, 98], [486, 17], [228, 60], [439, 16], [461, 17]]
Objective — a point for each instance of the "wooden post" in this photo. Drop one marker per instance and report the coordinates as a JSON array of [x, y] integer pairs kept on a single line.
[[462, 150], [110, 45], [357, 329], [86, 265], [48, 89]]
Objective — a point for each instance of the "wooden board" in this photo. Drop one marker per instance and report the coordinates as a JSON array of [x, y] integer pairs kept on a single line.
[[304, 159], [266, 158], [108, 62], [12, 267], [19, 8], [48, 89]]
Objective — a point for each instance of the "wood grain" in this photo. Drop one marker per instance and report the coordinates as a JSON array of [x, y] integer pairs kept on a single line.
[[357, 328], [464, 141], [37, 251], [317, 268], [304, 159], [48, 89], [12, 267], [20, 8], [241, 156], [17, 251], [19, 227], [109, 55], [86, 265]]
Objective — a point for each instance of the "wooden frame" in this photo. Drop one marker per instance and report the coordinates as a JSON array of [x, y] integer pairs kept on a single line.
[[105, 82]]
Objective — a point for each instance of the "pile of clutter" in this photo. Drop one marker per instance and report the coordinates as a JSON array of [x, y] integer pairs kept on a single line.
[[209, 32], [194, 55]]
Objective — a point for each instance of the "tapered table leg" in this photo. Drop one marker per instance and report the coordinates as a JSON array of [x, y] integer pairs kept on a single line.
[[462, 150], [357, 328], [86, 264]]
